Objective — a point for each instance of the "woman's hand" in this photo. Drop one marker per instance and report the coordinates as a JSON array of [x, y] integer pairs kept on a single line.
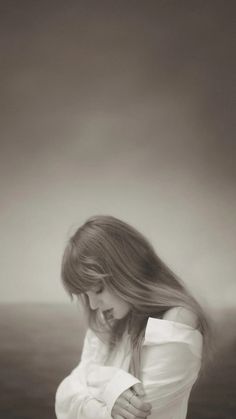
[[130, 404]]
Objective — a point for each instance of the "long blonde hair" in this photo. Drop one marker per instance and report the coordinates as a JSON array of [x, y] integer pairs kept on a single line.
[[109, 251]]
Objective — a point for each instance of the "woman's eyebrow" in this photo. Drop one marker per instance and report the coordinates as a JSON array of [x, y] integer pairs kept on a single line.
[[95, 288]]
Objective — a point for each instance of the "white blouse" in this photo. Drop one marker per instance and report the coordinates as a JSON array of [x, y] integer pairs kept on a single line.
[[170, 363]]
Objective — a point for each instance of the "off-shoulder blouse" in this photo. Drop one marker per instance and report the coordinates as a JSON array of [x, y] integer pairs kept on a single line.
[[170, 363]]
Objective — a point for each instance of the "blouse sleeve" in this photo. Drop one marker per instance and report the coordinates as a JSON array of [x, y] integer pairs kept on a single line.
[[171, 359], [92, 388]]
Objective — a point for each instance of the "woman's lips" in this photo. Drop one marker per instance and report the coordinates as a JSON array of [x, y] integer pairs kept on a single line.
[[108, 314]]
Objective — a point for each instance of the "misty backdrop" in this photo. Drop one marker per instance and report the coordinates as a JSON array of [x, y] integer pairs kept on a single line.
[[121, 108]]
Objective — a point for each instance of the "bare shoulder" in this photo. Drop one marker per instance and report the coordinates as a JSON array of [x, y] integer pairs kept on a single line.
[[181, 315]]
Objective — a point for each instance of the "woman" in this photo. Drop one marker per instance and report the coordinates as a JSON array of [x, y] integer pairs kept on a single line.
[[147, 335]]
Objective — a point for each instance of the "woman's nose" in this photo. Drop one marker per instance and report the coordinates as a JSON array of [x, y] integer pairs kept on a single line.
[[93, 302]]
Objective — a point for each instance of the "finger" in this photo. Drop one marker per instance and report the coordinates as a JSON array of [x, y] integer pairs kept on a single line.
[[131, 397], [128, 394], [125, 414], [123, 403], [139, 403], [138, 388], [134, 399], [128, 415]]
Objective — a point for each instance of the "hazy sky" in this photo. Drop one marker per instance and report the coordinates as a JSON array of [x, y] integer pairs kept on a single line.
[[122, 108]]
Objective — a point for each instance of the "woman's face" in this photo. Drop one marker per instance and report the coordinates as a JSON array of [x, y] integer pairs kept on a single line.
[[111, 305]]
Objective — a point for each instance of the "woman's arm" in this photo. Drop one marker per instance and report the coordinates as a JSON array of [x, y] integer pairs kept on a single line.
[[73, 397], [92, 388], [171, 359], [168, 373]]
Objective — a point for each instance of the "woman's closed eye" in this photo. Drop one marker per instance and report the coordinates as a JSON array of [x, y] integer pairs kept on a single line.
[[99, 290]]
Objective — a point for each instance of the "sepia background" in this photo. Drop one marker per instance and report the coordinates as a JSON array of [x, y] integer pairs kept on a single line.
[[121, 108]]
